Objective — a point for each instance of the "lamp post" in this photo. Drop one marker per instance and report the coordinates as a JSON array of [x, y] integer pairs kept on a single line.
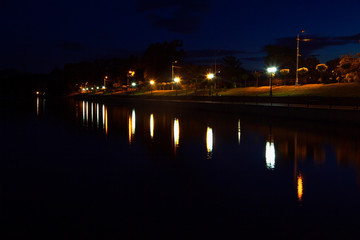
[[133, 85], [210, 76], [298, 54], [271, 71], [297, 59], [152, 82], [105, 78], [176, 80], [172, 71]]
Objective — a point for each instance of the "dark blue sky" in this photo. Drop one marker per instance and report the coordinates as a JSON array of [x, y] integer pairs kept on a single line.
[[38, 35]]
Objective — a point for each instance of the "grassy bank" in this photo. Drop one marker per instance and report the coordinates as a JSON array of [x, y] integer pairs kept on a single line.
[[310, 90]]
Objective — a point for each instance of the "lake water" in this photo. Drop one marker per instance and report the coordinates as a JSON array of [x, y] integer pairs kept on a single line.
[[136, 171]]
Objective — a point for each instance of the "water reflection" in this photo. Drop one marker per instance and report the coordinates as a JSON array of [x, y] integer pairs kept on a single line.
[[293, 146], [106, 119], [270, 155], [91, 112], [97, 116], [209, 142], [152, 126], [40, 106], [239, 131], [83, 112], [90, 115], [132, 125], [37, 105], [300, 186], [176, 133]]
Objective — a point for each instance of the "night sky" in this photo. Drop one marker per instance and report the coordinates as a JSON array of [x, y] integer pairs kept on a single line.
[[38, 35]]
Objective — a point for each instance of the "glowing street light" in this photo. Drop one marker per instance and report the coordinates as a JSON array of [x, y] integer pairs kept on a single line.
[[176, 80], [272, 71], [152, 82], [105, 78], [210, 76]]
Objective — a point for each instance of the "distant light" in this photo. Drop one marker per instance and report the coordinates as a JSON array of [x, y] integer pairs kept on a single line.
[[210, 76], [133, 84], [131, 73], [152, 82], [37, 93], [177, 79], [87, 89], [83, 89], [103, 87], [97, 88], [272, 69], [92, 88]]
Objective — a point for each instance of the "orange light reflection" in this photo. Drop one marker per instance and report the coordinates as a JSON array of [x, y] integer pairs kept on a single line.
[[300, 187]]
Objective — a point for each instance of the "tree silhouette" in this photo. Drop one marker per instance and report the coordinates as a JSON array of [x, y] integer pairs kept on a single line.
[[158, 58], [280, 56], [232, 70]]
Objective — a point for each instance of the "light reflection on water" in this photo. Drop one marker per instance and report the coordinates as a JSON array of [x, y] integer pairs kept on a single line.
[[176, 133], [304, 163], [209, 142], [289, 144], [40, 106], [300, 187], [37, 106], [239, 131], [90, 116], [270, 155], [132, 126], [152, 126]]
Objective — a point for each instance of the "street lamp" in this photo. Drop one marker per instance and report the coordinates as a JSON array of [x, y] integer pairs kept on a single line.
[[298, 55], [105, 78], [133, 85], [152, 82], [210, 76], [176, 80], [271, 71], [130, 74]]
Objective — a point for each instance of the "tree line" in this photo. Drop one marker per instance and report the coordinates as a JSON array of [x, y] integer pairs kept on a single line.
[[163, 61]]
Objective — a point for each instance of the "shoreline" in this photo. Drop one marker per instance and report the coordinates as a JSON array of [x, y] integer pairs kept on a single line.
[[326, 109]]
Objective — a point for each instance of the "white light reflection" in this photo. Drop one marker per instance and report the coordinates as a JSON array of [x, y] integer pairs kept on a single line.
[[103, 116], [87, 113], [239, 131], [92, 113], [133, 121], [152, 126], [270, 155], [209, 142], [83, 115], [106, 121], [97, 115], [176, 132]]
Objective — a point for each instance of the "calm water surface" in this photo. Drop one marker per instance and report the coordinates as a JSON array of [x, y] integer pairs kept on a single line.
[[138, 171]]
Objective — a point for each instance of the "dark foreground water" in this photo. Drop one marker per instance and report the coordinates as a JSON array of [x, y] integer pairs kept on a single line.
[[95, 171]]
